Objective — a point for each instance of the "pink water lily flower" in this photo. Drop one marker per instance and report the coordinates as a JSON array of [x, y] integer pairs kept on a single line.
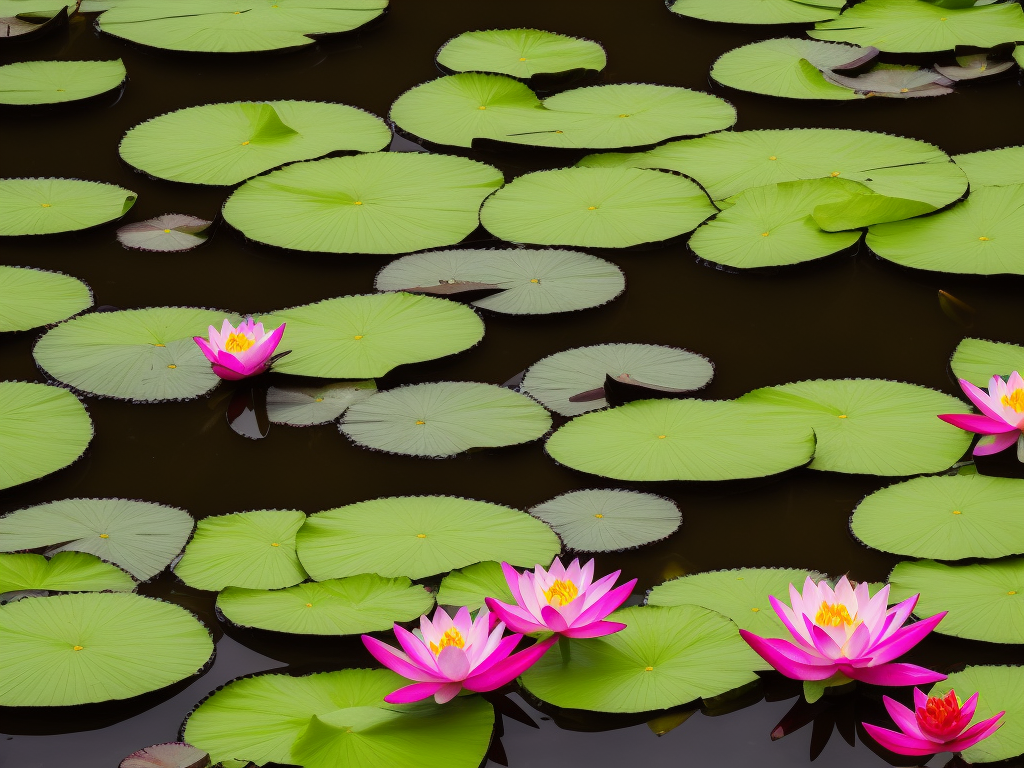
[[846, 630], [237, 353], [1003, 414], [937, 724], [447, 655], [566, 601]]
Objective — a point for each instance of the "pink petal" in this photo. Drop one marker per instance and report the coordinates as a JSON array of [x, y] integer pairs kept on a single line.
[[981, 399], [416, 650], [587, 575], [595, 629], [999, 443], [512, 577], [606, 604], [788, 659], [414, 692], [968, 708], [504, 647], [892, 675], [447, 692], [453, 663], [514, 618], [204, 345], [398, 662], [789, 618], [905, 720], [823, 641], [858, 642], [901, 743], [904, 639], [227, 374], [553, 619], [975, 733], [983, 425], [508, 669], [920, 698]]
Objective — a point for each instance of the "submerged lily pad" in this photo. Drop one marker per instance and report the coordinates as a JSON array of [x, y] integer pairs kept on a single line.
[[978, 360], [138, 536], [609, 520], [758, 11], [307, 406], [49, 206], [388, 202], [170, 232], [53, 82], [419, 536], [64, 572], [42, 429], [469, 586], [974, 66], [664, 657], [59, 651], [224, 144], [870, 426], [255, 550], [533, 282], [174, 754], [132, 354], [520, 53], [363, 603], [993, 167], [32, 297], [999, 689], [899, 81], [444, 418]]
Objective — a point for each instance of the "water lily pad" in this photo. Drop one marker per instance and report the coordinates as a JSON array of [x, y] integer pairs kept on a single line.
[[307, 406], [389, 202], [1000, 689], [29, 26], [974, 66], [470, 585], [59, 651], [870, 426], [609, 520], [255, 550], [533, 282], [595, 207], [985, 601], [741, 594], [32, 297], [758, 11], [950, 518], [224, 144], [978, 360], [140, 537], [664, 657], [170, 232], [174, 754], [363, 603], [682, 440], [132, 354], [559, 380], [42, 429], [444, 418], [419, 536], [898, 81], [993, 167], [64, 572], [224, 26], [52, 82], [265, 718], [520, 53], [48, 206]]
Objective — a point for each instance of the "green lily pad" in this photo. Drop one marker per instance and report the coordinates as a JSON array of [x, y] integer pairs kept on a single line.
[[595, 207], [42, 429], [140, 537], [444, 418], [299, 720], [224, 144], [664, 657], [363, 603], [172, 232], [985, 601], [307, 406], [999, 689], [470, 585], [533, 282], [223, 26], [978, 360], [255, 550], [419, 536], [870, 426], [682, 440], [993, 167], [609, 520], [32, 297], [741, 595], [387, 202], [60, 651], [53, 82], [520, 53], [758, 11], [949, 518], [559, 380], [133, 354], [64, 572], [48, 206]]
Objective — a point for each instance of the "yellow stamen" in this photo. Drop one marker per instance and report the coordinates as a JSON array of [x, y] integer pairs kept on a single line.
[[957, 512], [648, 669], [756, 610], [358, 202], [833, 616], [592, 208], [984, 239], [842, 416], [238, 342], [1014, 400], [421, 422], [275, 544], [77, 648], [421, 535], [104, 535], [534, 280], [599, 516], [561, 593], [357, 338], [172, 365], [451, 638]]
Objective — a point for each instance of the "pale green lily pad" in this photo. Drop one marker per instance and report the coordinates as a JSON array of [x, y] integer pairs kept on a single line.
[[609, 520], [254, 550], [363, 603], [993, 167], [64, 572], [308, 406], [949, 518], [520, 53], [870, 426], [419, 536], [999, 689], [444, 418], [32, 297], [170, 233], [758, 11], [978, 360], [60, 651], [663, 658], [470, 585], [53, 82], [49, 206]]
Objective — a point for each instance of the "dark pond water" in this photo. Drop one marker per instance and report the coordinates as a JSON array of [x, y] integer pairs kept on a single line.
[[850, 316]]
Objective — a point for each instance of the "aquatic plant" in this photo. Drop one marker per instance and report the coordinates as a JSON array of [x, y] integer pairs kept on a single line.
[[937, 724], [1003, 414], [238, 353]]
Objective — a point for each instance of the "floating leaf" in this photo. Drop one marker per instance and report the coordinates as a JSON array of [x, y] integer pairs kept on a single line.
[[175, 754], [993, 167], [520, 53], [470, 585], [31, 26], [978, 360], [363, 603], [138, 536], [32, 297], [132, 354], [609, 520], [255, 550], [224, 144], [950, 518], [444, 418], [389, 202], [307, 406], [664, 657], [870, 426], [999, 689], [48, 206], [895, 81], [170, 232], [60, 651], [64, 572], [419, 536], [973, 67], [52, 82], [758, 11]]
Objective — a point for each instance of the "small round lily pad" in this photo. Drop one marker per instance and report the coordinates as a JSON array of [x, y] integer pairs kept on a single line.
[[53, 82], [49, 206], [308, 406], [609, 520], [520, 53], [32, 297], [64, 572], [170, 232]]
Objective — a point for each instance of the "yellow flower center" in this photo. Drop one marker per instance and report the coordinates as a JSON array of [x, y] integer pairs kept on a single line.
[[358, 202], [983, 238], [77, 648], [534, 280], [833, 616], [1014, 400], [421, 535], [238, 342], [357, 338], [592, 208], [561, 593], [450, 638], [104, 535], [421, 423], [842, 416], [756, 610], [172, 365], [599, 516], [957, 512]]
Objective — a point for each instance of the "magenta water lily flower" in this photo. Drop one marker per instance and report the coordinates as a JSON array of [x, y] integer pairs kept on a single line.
[[447, 655], [237, 353], [937, 724], [846, 631], [566, 601], [1002, 409]]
